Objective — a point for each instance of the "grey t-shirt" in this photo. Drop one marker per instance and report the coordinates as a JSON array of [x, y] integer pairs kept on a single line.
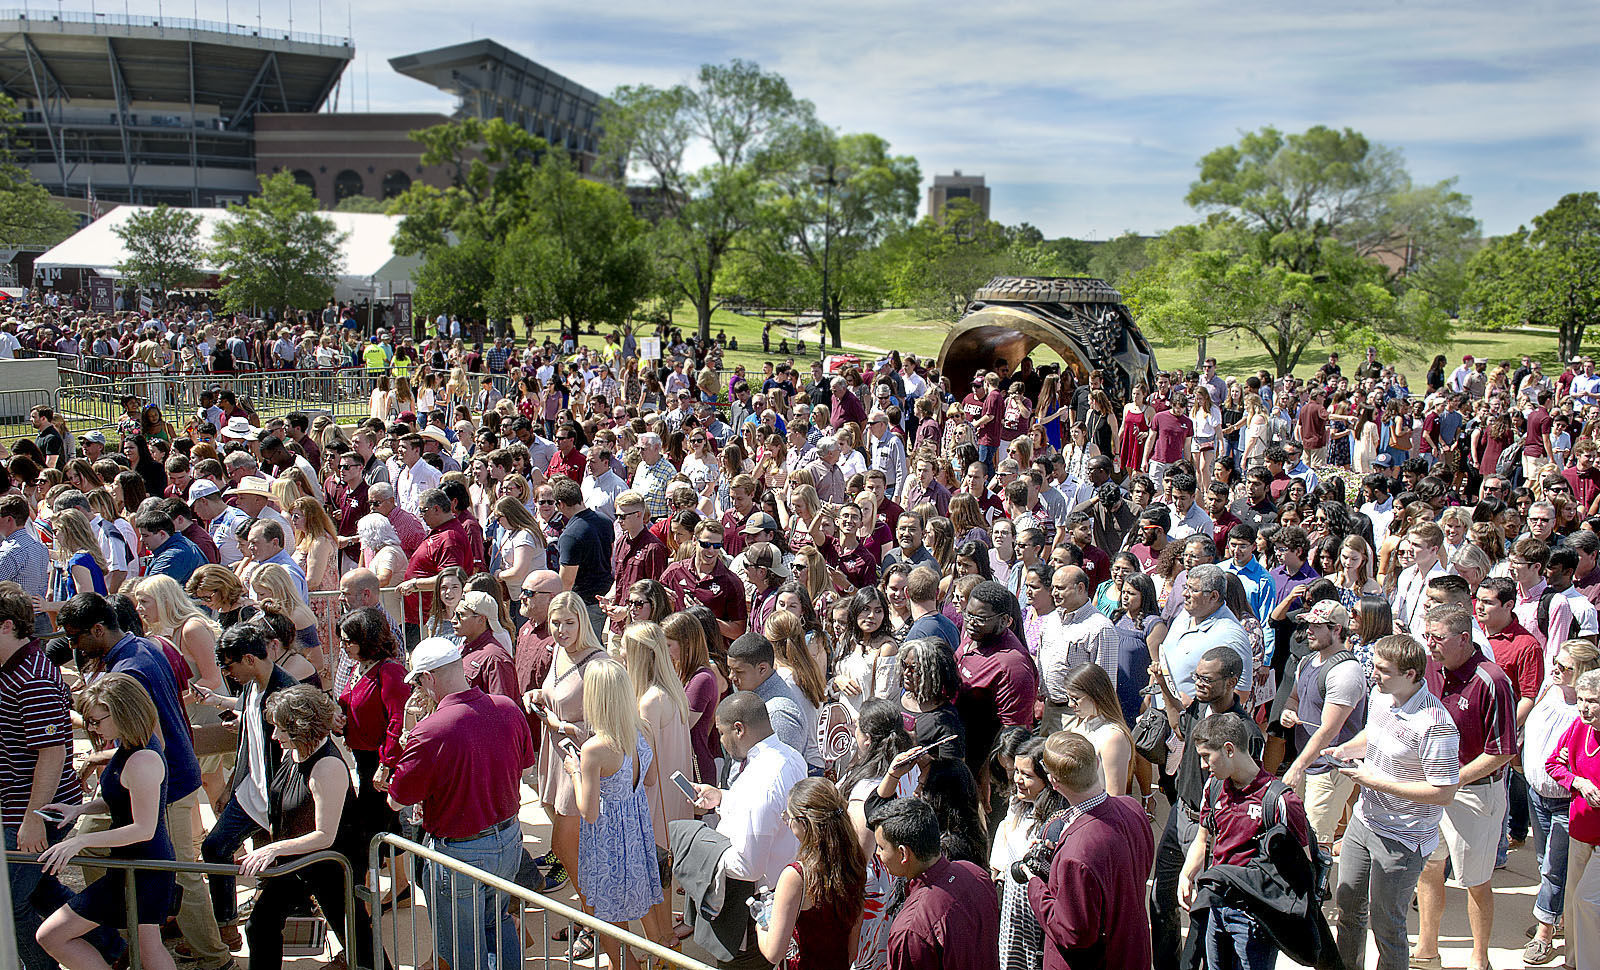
[[1347, 686]]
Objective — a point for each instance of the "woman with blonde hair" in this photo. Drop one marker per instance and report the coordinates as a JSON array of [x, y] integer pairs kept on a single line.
[[793, 661], [810, 568], [275, 590], [800, 516], [286, 489], [664, 713], [219, 589], [610, 776], [521, 544], [133, 786], [559, 702], [316, 552], [457, 390], [1095, 712], [80, 562]]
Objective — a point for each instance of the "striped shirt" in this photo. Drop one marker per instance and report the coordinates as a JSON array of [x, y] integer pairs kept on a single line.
[[34, 714], [1416, 741], [25, 561]]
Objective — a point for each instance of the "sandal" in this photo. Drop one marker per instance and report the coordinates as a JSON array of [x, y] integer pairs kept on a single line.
[[393, 901], [582, 944], [682, 931], [1538, 952]]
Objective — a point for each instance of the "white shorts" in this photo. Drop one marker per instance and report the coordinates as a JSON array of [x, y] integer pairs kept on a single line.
[[1469, 832]]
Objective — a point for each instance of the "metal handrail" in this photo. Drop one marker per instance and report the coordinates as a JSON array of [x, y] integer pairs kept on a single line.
[[130, 886], [599, 927]]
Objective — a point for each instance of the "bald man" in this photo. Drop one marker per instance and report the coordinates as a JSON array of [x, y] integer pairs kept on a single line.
[[535, 646]]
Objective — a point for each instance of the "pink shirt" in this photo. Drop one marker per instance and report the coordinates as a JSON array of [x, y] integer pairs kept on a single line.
[[1577, 755]]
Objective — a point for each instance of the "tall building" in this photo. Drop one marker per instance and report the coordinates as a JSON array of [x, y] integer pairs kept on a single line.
[[154, 109], [957, 186]]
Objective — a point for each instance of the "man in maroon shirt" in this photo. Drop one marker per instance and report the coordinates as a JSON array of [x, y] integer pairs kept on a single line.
[[972, 404], [742, 493], [347, 503], [189, 526], [407, 526], [1536, 444], [1313, 424], [636, 553], [489, 667], [1222, 518], [999, 683], [1482, 703], [446, 545], [950, 919], [1170, 432], [1584, 477], [1096, 564], [567, 460], [463, 763], [704, 577], [1516, 651], [846, 407], [989, 429], [1090, 904]]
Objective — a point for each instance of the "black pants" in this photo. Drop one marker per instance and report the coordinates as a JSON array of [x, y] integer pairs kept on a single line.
[[1165, 922], [280, 896], [373, 814]]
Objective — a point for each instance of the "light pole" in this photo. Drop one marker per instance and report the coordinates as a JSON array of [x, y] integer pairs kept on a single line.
[[826, 178]]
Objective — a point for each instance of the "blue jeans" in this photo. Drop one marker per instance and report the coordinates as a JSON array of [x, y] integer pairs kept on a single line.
[[986, 454], [34, 896], [1235, 940], [1550, 842], [460, 906], [233, 826]]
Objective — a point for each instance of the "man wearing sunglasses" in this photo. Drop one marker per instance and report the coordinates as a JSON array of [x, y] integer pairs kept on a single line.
[[637, 553], [706, 578]]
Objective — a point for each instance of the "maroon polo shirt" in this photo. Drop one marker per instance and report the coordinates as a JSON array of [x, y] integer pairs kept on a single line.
[[348, 505], [1481, 702], [859, 565], [950, 919], [1313, 422], [475, 542], [444, 546], [888, 517], [1236, 819], [463, 763], [1223, 524], [1585, 485], [636, 559], [489, 668], [1519, 654], [999, 676], [197, 534], [722, 592], [535, 652]]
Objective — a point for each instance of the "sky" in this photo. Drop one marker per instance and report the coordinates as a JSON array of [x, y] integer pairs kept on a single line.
[[1086, 119]]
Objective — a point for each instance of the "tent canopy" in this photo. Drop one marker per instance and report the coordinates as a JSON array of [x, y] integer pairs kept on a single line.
[[368, 248]]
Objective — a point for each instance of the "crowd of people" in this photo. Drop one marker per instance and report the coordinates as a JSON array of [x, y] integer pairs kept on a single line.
[[816, 668]]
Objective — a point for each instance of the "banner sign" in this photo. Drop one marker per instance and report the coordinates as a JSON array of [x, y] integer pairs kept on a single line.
[[402, 314], [102, 294]]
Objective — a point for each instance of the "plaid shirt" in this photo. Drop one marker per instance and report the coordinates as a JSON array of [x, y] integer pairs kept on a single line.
[[24, 560], [496, 357], [651, 481]]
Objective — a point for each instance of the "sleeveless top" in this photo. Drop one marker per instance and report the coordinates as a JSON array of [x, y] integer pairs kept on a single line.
[[119, 803], [292, 809], [820, 942]]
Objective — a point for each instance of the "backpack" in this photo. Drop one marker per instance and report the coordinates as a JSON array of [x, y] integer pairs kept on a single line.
[[1544, 611], [1320, 860], [110, 532]]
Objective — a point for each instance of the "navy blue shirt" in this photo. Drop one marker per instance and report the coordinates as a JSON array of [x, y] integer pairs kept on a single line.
[[586, 543], [144, 662], [936, 624], [178, 558]]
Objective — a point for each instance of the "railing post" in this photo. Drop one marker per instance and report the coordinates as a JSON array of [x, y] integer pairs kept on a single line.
[[8, 926], [130, 898]]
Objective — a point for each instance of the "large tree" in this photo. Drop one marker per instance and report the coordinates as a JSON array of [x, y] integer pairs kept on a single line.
[[937, 265], [1297, 251], [836, 198], [161, 247], [276, 251], [28, 215], [1547, 277], [735, 116], [582, 256]]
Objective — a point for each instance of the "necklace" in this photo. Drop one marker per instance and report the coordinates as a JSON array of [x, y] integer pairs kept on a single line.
[[1591, 752]]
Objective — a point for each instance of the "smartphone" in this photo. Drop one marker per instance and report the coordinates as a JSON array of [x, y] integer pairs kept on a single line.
[[568, 746], [50, 815], [1342, 762], [539, 709], [684, 786]]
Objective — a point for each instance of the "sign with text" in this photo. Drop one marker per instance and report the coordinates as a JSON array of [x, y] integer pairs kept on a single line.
[[402, 314], [650, 348], [102, 294]]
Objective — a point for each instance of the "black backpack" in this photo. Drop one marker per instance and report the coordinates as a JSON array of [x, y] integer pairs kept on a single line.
[[1319, 859]]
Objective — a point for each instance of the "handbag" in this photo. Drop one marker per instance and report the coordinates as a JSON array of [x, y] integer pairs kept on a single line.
[[1150, 733]]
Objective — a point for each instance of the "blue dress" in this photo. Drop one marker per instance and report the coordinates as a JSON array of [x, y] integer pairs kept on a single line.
[[103, 900], [617, 852]]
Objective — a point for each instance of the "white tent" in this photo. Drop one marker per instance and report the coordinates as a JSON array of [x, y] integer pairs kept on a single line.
[[371, 266]]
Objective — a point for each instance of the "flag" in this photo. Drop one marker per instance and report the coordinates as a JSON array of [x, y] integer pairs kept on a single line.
[[94, 204]]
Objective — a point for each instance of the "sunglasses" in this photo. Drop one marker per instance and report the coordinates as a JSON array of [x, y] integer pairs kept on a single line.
[[547, 501], [710, 545], [638, 603]]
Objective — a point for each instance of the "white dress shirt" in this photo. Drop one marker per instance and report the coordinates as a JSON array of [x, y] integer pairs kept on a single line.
[[601, 493], [412, 482], [1065, 642], [760, 843]]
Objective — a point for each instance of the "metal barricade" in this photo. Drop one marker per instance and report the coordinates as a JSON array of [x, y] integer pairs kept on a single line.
[[131, 887], [529, 910], [15, 407]]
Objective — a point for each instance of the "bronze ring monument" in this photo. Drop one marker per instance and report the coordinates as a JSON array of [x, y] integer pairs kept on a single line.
[[1081, 319]]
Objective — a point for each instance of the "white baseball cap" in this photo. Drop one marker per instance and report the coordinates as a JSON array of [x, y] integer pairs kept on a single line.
[[431, 654]]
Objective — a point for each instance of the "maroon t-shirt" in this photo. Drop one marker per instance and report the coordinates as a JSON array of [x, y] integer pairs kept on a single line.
[[1017, 418], [1585, 485], [1236, 817], [633, 560], [463, 763], [859, 565], [733, 531], [1313, 421], [1481, 702], [994, 407], [1171, 430], [722, 592], [445, 546], [1538, 427], [972, 408]]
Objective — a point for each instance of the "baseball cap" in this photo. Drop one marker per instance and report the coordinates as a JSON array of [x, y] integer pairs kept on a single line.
[[202, 488], [431, 654], [1383, 461], [1330, 612], [95, 437], [758, 522]]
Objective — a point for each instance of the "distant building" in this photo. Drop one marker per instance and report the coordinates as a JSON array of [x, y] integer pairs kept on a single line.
[[957, 186]]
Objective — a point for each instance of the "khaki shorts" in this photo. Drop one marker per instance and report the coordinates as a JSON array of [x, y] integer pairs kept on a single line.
[[1469, 832], [1326, 796]]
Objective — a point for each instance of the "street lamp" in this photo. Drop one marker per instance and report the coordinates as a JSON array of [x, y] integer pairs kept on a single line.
[[825, 176]]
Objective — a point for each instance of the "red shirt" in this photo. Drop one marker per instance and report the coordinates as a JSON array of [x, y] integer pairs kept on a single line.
[[197, 534], [972, 407], [999, 676], [1222, 525], [464, 764], [1538, 427], [489, 667], [994, 407], [1171, 429], [1519, 654], [1585, 485], [1092, 907], [445, 546], [569, 464], [722, 592], [1017, 419], [1096, 564], [1481, 702], [636, 559], [375, 711], [474, 531], [1236, 819], [950, 919], [732, 534], [535, 652], [409, 528], [1313, 421]]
